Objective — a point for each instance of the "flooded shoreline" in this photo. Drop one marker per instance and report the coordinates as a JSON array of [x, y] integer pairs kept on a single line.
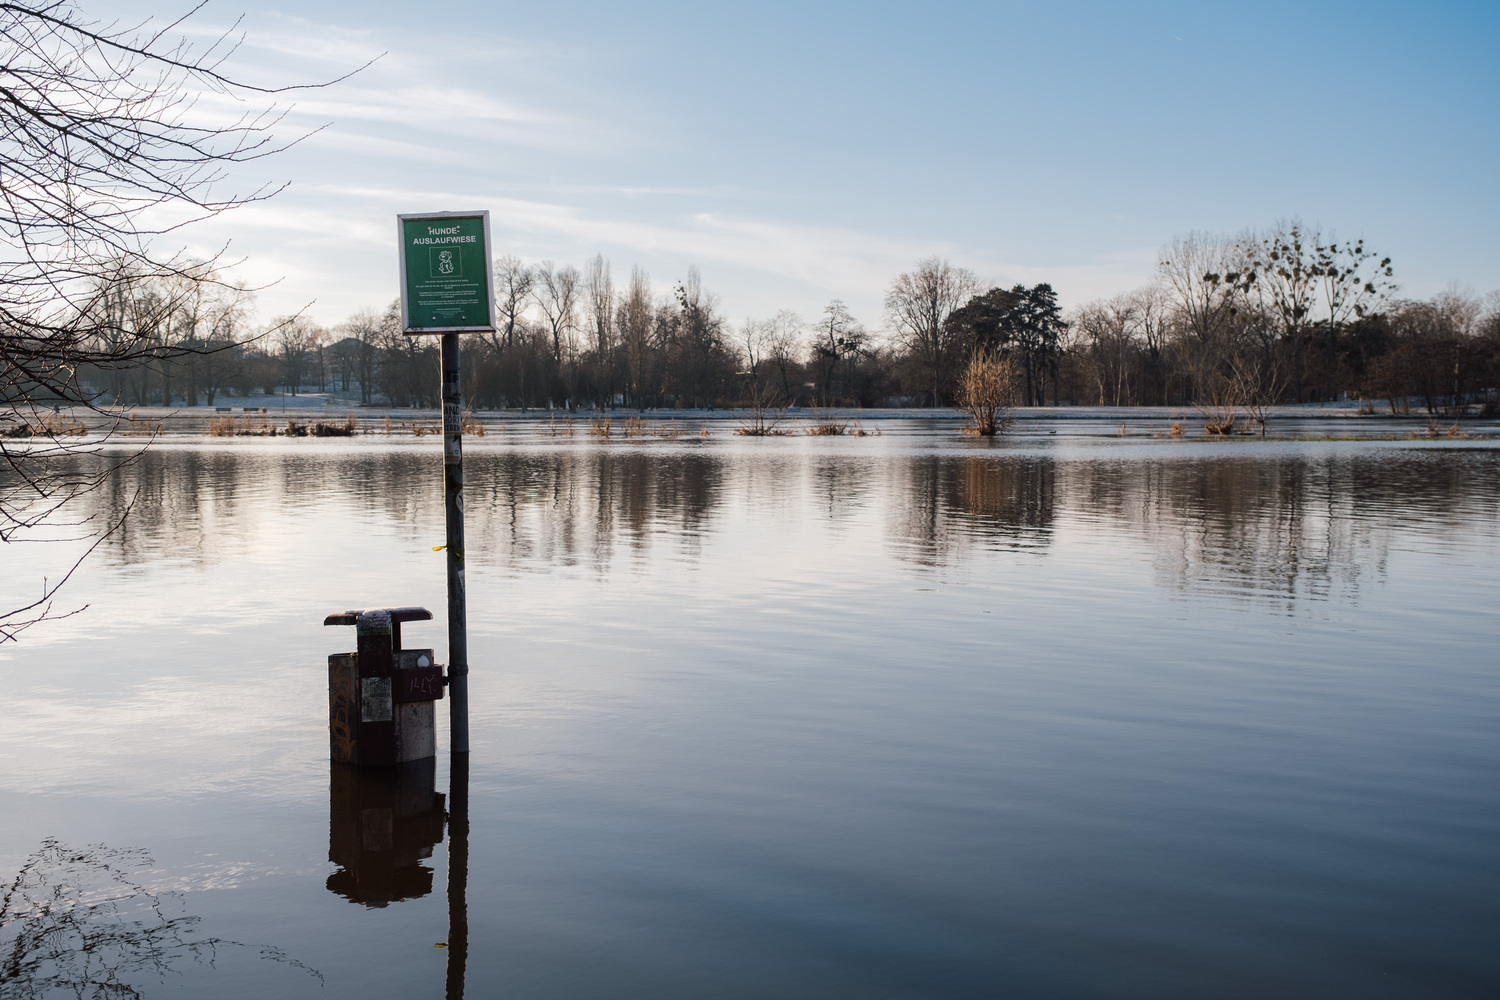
[[301, 417], [823, 716]]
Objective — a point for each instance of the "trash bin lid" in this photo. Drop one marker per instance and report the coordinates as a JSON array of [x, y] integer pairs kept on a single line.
[[398, 615]]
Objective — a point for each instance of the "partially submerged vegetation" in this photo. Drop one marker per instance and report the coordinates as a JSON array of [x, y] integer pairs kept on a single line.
[[987, 392], [987, 387], [263, 427], [43, 425]]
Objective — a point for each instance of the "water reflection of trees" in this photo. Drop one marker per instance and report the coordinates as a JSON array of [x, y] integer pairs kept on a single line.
[[1286, 523], [950, 504], [200, 506], [80, 922], [1289, 525], [557, 508], [1269, 526], [569, 508]]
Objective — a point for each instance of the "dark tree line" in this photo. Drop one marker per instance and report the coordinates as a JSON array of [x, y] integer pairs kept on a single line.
[[1285, 316], [1230, 323]]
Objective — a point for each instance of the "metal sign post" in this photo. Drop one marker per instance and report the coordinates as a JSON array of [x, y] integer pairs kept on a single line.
[[453, 515], [446, 289]]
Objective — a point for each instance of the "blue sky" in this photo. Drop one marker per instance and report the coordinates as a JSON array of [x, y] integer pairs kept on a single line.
[[798, 153]]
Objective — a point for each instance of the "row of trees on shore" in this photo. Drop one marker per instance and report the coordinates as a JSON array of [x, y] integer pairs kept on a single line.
[[1284, 315]]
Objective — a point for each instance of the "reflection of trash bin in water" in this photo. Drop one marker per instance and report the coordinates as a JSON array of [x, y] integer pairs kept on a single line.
[[382, 822]]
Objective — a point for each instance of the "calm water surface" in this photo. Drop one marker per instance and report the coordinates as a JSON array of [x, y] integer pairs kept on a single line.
[[899, 716]]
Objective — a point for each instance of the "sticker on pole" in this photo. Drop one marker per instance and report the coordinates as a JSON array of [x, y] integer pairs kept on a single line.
[[445, 273]]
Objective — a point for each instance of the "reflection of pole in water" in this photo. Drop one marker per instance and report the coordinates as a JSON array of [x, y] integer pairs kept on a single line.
[[382, 821], [458, 875]]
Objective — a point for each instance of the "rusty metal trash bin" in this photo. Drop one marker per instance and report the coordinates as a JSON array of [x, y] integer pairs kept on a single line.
[[380, 697]]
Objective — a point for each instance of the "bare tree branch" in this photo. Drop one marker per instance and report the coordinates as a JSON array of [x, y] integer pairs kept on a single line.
[[105, 150]]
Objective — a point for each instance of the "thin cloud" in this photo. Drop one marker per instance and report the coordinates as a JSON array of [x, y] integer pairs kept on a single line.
[[315, 234], [414, 131]]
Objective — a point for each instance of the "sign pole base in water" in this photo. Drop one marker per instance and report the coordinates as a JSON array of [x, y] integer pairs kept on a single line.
[[453, 506]]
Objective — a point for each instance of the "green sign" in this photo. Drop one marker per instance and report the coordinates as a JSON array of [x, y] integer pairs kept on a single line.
[[445, 272]]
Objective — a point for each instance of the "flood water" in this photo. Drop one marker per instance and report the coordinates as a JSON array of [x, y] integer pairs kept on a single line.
[[896, 716]]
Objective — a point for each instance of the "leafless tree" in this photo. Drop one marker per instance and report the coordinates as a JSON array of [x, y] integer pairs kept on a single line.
[[1105, 335], [1461, 310], [1489, 316], [1153, 310], [1205, 276], [1287, 277], [364, 329], [599, 289], [1440, 353], [1220, 400], [636, 321], [760, 394], [513, 283], [514, 280], [295, 338], [1300, 278], [754, 335], [917, 305], [1201, 273], [556, 293], [783, 339], [1259, 382], [213, 328], [697, 341], [833, 331], [104, 153]]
